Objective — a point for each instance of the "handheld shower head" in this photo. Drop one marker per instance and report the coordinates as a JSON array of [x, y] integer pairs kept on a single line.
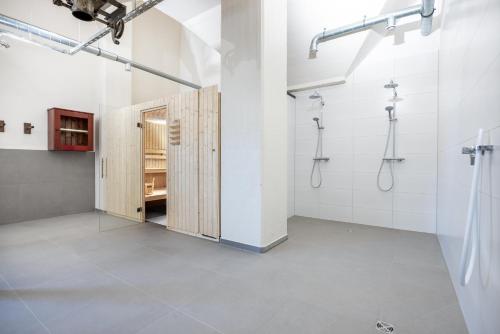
[[316, 119], [390, 110]]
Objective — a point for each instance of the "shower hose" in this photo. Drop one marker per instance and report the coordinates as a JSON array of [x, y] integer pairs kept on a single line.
[[380, 187]]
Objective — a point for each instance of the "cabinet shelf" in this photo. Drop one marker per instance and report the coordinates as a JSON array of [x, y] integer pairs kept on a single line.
[[70, 130], [73, 130]]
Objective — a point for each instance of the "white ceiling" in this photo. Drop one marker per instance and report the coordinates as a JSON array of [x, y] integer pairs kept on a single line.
[[202, 17], [183, 10], [305, 19]]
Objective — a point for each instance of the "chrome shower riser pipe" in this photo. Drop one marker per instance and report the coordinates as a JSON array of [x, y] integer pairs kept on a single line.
[[426, 10], [68, 42]]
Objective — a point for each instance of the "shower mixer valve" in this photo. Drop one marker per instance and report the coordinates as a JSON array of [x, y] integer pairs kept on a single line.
[[472, 151]]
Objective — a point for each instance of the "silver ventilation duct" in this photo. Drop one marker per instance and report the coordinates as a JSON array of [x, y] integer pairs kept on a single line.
[[426, 11], [20, 26]]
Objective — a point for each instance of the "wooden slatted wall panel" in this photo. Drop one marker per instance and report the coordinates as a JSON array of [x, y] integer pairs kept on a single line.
[[183, 165], [209, 158], [123, 162]]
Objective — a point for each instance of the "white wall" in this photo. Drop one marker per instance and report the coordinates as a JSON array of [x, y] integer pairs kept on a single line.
[[35, 79], [253, 122], [274, 124], [156, 43], [291, 157], [165, 44], [40, 78], [199, 62], [354, 138], [469, 86]]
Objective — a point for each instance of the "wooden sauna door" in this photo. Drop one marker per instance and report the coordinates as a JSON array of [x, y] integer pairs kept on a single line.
[[194, 163], [182, 203], [209, 161], [122, 163]]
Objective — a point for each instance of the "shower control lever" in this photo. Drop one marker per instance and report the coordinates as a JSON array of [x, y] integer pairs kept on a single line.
[[472, 151]]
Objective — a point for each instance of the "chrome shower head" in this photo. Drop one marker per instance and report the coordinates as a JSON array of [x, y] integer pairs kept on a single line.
[[391, 84], [316, 96]]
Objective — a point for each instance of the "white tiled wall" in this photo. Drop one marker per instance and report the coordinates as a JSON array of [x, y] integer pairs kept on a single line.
[[354, 138], [291, 158], [469, 98]]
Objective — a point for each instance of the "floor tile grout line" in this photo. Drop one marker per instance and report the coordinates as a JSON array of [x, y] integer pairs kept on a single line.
[[147, 294], [25, 305], [143, 291]]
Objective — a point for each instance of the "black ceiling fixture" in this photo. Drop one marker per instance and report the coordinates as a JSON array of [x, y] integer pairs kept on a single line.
[[109, 12]]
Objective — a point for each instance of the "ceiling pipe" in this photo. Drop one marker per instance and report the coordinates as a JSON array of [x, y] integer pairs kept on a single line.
[[68, 42], [129, 17], [426, 10]]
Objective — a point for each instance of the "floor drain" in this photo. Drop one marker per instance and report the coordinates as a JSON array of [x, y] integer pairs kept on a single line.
[[385, 327]]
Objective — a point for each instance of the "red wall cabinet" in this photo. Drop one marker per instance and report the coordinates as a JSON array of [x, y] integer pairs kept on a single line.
[[70, 130]]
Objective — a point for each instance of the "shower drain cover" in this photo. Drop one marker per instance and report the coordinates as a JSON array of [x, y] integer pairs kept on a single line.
[[384, 327]]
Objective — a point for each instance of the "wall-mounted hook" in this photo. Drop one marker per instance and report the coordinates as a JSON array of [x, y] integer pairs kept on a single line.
[[27, 128]]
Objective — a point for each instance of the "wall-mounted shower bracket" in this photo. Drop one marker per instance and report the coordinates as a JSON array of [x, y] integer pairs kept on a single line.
[[394, 159], [472, 151], [321, 159]]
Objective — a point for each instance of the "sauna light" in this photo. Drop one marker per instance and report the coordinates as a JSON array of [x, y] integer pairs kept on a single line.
[[158, 121]]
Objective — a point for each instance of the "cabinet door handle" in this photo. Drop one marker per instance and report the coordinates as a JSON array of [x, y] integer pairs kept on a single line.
[[102, 168]]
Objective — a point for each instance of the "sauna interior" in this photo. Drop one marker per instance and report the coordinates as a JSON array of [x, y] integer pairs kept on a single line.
[[155, 165], [249, 166]]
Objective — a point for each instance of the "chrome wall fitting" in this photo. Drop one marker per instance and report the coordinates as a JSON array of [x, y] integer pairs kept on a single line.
[[473, 150], [394, 159]]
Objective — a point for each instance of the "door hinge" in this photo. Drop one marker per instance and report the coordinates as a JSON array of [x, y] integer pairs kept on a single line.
[[139, 125], [139, 209]]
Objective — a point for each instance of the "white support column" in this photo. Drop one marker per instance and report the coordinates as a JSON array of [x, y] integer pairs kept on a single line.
[[254, 123]]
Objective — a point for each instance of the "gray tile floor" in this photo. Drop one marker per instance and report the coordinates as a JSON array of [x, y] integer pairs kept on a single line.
[[73, 275]]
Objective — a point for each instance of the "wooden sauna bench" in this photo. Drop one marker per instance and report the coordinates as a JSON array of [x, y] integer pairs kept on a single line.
[[158, 194]]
